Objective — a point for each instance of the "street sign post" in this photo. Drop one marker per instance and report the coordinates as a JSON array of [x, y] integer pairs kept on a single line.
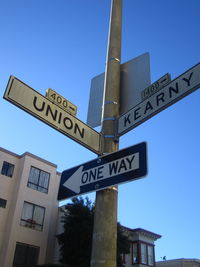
[[113, 169], [168, 95], [23, 96]]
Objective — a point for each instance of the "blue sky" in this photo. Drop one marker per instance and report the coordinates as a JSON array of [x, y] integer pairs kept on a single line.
[[62, 45]]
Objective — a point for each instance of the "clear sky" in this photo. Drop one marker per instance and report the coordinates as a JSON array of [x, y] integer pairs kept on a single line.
[[62, 45]]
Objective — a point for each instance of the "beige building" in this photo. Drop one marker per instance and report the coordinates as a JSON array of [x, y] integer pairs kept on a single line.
[[179, 263], [28, 209], [29, 217]]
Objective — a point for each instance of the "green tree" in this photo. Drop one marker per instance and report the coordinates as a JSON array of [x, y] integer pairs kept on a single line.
[[123, 244], [76, 240]]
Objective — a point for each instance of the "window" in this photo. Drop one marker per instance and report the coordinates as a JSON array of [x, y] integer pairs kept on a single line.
[[7, 169], [135, 253], [142, 253], [25, 255], [150, 255], [32, 216], [3, 203], [38, 180]]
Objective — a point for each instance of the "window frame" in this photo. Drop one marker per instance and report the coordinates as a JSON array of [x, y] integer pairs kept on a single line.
[[6, 168], [139, 253], [31, 222], [24, 261], [133, 254], [148, 255], [37, 186], [3, 203]]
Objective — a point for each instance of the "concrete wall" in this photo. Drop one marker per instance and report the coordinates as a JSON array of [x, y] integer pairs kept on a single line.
[[15, 191]]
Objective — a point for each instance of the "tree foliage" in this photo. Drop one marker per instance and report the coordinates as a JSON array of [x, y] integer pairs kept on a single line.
[[123, 245], [76, 240]]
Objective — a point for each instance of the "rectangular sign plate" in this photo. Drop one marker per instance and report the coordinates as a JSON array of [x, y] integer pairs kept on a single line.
[[134, 77], [61, 102], [155, 87], [40, 107], [168, 95], [119, 167]]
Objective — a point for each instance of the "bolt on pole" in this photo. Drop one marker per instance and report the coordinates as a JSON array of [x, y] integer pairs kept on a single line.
[[104, 247]]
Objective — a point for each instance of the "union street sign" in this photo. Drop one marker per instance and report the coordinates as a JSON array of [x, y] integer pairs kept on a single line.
[[119, 167], [168, 95], [26, 98]]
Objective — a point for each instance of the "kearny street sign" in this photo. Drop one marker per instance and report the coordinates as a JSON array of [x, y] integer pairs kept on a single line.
[[168, 95], [42, 108], [113, 169]]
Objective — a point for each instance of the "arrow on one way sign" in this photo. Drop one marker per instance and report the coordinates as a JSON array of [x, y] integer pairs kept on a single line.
[[109, 170], [85, 177]]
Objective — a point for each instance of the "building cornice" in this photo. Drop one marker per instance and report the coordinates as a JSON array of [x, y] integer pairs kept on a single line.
[[30, 155], [143, 232]]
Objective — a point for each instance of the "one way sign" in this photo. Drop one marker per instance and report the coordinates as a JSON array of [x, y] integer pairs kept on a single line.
[[115, 168]]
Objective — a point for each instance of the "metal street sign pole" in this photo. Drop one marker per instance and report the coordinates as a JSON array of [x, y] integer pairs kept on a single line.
[[104, 245], [134, 77]]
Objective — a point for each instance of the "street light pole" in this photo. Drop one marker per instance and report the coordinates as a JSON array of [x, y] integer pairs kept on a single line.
[[104, 247]]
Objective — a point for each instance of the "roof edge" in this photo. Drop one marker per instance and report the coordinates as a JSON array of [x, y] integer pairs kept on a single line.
[[30, 155], [180, 260], [141, 230]]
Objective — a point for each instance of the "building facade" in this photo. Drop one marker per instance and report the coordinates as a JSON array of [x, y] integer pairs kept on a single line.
[[179, 263], [142, 248], [28, 209]]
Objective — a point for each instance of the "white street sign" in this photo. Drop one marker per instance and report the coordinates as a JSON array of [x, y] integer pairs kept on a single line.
[[170, 94], [23, 96]]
